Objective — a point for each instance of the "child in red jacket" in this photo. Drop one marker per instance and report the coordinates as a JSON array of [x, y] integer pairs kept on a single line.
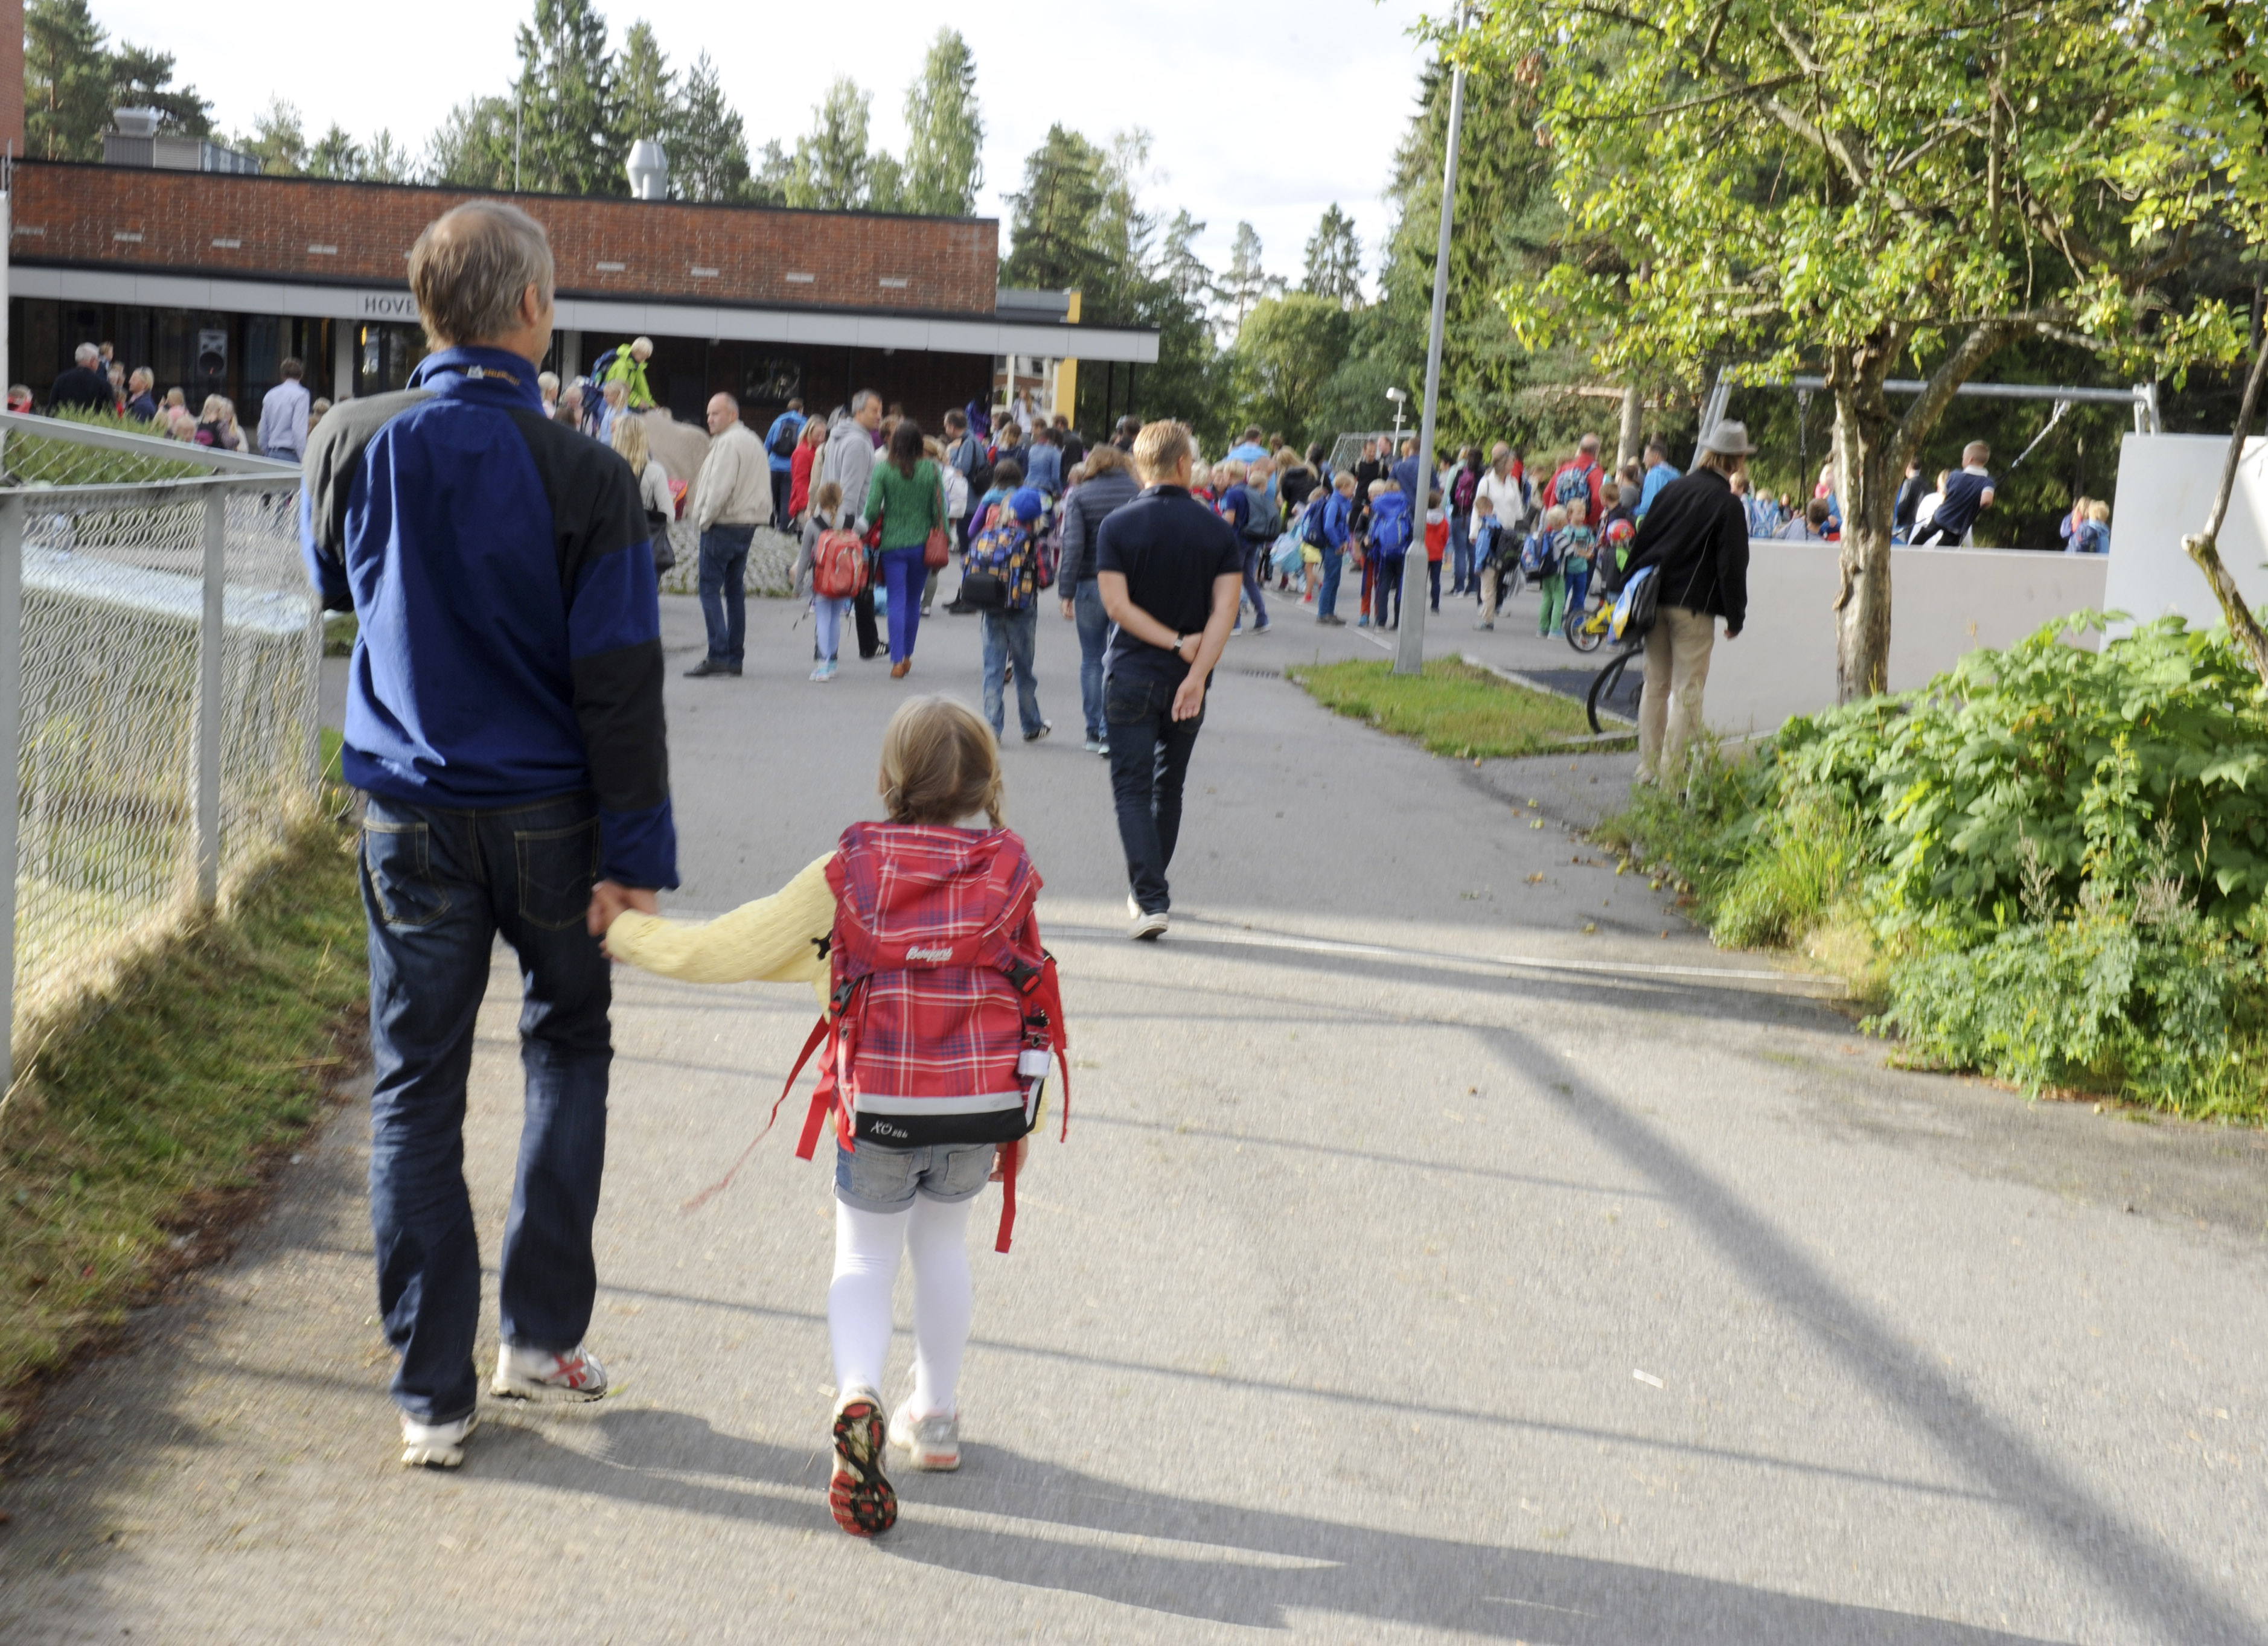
[[1437, 545]]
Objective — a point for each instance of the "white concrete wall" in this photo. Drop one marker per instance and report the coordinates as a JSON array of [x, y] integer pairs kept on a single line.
[[1944, 602], [2166, 484]]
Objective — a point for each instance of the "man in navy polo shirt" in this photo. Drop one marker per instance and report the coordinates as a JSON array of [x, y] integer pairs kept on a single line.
[[1170, 570], [504, 723]]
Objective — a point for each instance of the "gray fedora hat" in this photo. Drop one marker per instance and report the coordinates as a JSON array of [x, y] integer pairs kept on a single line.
[[1728, 439]]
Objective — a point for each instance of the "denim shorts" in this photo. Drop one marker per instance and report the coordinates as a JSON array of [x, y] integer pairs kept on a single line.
[[874, 1179]]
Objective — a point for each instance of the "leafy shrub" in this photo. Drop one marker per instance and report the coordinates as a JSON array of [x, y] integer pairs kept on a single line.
[[2061, 854]]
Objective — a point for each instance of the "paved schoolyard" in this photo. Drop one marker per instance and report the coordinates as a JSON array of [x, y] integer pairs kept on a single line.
[[1422, 1266]]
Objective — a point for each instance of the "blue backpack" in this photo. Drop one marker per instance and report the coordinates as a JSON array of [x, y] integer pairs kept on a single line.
[[1571, 484], [1389, 525], [1539, 555], [1311, 529]]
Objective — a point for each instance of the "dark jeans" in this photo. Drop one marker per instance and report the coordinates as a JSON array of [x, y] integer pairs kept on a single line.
[[783, 488], [1008, 638], [1093, 639], [1386, 587], [1461, 553], [1433, 584], [1255, 569], [862, 615], [1149, 758], [1333, 565], [723, 594], [439, 886]]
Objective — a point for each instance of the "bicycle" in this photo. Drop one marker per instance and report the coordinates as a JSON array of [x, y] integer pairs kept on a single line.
[[1587, 630], [1612, 687]]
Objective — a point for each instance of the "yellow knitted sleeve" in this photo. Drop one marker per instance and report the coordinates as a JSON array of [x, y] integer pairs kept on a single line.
[[775, 939]]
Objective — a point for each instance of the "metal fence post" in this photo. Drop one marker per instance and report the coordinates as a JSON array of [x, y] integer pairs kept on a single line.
[[209, 710], [11, 745]]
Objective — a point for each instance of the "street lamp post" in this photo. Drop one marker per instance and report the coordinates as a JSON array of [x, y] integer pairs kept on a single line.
[[1409, 656]]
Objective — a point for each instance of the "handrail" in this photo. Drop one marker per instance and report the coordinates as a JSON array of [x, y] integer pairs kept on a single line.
[[142, 444]]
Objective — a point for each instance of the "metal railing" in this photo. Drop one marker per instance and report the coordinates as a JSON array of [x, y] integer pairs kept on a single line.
[[159, 649]]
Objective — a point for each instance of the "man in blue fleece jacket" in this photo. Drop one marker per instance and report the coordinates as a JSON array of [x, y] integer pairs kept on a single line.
[[504, 723]]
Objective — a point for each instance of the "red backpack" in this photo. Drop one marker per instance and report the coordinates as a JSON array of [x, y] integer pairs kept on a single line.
[[945, 1008], [838, 566]]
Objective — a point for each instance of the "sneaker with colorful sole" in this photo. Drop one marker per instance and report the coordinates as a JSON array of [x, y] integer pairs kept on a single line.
[[860, 1496], [530, 1374], [931, 1444]]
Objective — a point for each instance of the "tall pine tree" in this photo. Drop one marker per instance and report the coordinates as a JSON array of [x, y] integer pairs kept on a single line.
[[709, 158], [1334, 259], [571, 141], [833, 169], [945, 147]]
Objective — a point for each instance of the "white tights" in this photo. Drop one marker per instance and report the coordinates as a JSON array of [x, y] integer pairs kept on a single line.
[[867, 1247]]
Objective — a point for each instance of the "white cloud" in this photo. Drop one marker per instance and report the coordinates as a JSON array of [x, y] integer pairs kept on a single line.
[[1267, 117]]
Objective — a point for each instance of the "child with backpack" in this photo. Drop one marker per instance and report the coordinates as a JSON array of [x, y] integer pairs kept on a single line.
[[1003, 584], [1489, 560], [1576, 544], [1389, 548], [1539, 562], [1437, 545], [835, 562], [943, 1012]]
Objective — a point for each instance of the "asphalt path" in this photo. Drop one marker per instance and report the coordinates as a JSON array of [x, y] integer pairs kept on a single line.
[[1449, 1245]]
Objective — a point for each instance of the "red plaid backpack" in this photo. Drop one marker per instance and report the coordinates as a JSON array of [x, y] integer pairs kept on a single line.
[[945, 1008]]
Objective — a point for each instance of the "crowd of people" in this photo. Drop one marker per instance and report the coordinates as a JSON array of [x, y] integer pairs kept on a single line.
[[97, 381]]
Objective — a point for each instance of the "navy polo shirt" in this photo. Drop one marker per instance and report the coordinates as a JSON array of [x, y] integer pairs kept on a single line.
[[1169, 548]]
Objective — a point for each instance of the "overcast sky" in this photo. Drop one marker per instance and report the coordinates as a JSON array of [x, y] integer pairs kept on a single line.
[[1265, 116]]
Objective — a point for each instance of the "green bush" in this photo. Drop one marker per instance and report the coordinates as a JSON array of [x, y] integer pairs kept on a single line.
[[2059, 855]]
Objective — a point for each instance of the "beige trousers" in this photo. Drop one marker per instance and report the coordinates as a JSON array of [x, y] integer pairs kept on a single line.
[[1676, 668]]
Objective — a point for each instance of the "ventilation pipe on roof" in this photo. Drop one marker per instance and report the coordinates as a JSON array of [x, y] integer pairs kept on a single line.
[[649, 170]]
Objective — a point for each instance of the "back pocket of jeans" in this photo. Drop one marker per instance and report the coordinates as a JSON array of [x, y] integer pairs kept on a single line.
[[397, 858], [557, 867], [1125, 701]]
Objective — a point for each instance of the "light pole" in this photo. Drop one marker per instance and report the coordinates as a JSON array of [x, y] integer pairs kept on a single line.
[[1401, 398], [1409, 656]]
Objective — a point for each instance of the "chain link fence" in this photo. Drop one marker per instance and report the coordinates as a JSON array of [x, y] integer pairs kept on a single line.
[[158, 654]]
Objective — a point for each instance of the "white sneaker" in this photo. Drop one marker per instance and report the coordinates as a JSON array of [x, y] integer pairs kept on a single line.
[[526, 1374], [933, 1443], [1148, 927], [434, 1445]]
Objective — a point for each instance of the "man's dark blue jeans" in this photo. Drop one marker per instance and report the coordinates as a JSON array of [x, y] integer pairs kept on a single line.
[[1149, 759], [439, 886], [1093, 641], [723, 594]]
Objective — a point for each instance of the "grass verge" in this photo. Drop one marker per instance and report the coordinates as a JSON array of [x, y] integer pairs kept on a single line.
[[1452, 709], [132, 1144]]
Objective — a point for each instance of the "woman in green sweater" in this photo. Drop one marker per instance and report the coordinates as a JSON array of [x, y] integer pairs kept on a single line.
[[906, 498]]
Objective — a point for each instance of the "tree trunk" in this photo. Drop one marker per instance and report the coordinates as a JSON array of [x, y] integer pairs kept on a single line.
[[2205, 546], [1633, 430], [1869, 490]]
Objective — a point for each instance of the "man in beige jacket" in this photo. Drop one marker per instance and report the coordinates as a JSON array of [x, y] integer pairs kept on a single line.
[[731, 498]]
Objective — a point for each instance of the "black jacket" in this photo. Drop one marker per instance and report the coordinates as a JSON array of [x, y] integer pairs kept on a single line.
[[1697, 533], [83, 388]]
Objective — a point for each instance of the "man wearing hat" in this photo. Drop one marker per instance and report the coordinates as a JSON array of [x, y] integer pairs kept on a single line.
[[1696, 537]]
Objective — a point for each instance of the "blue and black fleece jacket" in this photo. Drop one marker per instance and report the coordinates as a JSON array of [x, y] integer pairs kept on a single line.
[[502, 571]]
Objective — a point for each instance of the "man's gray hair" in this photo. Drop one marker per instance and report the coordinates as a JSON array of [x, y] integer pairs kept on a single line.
[[86, 354], [862, 400], [470, 267]]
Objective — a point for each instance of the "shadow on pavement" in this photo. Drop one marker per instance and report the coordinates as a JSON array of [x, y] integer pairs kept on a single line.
[[2149, 1578], [1020, 1521]]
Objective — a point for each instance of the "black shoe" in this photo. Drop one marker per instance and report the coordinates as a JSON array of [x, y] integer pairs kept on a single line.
[[708, 666], [1331, 619]]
